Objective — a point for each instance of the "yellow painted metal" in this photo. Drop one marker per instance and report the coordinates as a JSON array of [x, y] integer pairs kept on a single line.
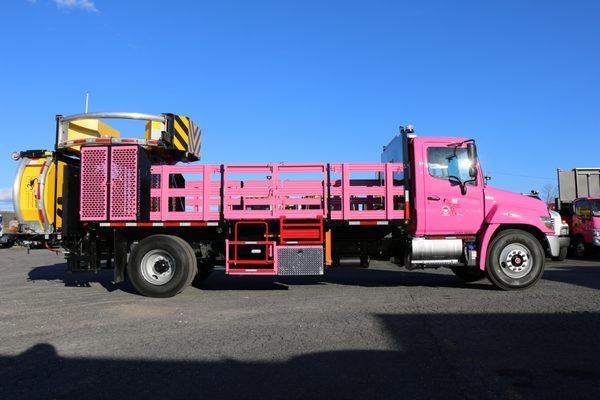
[[90, 128], [27, 199], [39, 213], [53, 189], [154, 130]]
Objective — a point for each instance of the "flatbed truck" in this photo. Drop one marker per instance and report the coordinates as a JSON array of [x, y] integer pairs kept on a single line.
[[145, 208]]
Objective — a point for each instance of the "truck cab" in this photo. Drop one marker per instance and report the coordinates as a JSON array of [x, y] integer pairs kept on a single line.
[[585, 225], [579, 203], [460, 221]]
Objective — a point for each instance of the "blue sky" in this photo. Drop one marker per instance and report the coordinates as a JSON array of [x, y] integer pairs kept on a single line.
[[315, 81]]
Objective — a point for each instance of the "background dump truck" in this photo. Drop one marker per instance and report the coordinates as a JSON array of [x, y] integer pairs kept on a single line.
[[579, 204], [133, 204]]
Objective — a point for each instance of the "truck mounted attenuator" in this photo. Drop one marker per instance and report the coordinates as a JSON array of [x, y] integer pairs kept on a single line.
[[135, 206]]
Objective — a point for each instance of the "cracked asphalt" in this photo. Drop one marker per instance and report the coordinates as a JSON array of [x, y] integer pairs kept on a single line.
[[374, 333]]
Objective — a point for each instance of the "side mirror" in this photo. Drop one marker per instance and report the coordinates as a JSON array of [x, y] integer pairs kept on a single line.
[[473, 171], [472, 152]]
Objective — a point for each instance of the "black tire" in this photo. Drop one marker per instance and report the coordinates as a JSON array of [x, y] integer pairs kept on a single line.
[[562, 255], [181, 260], [468, 274], [205, 268], [518, 249], [580, 250]]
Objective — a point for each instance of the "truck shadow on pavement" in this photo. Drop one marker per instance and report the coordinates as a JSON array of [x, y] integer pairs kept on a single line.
[[586, 276], [581, 275], [436, 356], [219, 281], [58, 272]]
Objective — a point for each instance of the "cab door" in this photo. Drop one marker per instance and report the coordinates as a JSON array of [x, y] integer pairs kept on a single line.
[[451, 207]]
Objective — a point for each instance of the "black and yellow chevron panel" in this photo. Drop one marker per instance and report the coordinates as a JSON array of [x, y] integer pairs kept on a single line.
[[186, 136]]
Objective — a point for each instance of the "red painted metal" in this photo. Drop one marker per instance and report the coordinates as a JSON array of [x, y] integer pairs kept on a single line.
[[301, 231]]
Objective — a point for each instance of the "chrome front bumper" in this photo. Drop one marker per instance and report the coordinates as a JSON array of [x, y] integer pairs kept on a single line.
[[555, 243]]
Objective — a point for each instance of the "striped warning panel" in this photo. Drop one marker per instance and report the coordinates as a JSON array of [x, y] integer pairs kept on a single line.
[[181, 131], [187, 136], [156, 224]]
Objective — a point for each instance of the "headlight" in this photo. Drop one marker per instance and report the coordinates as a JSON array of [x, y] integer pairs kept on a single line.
[[549, 222]]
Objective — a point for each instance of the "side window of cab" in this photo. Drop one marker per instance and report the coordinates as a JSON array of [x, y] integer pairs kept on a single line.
[[447, 162]]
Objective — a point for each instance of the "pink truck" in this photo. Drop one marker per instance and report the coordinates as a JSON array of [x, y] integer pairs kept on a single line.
[[579, 204], [131, 205]]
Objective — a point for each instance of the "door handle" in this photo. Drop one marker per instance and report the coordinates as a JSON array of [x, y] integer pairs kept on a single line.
[[434, 198]]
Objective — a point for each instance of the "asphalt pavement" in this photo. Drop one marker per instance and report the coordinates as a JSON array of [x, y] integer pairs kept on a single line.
[[377, 333]]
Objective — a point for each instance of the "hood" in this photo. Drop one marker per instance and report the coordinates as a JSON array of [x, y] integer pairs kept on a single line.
[[502, 206], [512, 199]]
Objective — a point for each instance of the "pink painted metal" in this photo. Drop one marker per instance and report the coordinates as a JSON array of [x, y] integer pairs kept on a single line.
[[374, 197], [123, 183], [584, 220], [94, 179], [504, 208], [271, 191], [201, 196]]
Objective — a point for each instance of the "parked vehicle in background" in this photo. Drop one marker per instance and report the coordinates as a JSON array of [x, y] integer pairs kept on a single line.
[[579, 205], [5, 239], [561, 230]]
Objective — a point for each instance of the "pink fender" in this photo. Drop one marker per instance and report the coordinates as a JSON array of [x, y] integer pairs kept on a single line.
[[484, 243], [508, 208]]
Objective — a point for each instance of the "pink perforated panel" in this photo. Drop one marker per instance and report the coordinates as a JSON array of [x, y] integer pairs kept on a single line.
[[94, 175], [123, 183]]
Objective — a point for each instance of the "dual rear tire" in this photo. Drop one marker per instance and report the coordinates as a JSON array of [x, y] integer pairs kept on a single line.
[[161, 266]]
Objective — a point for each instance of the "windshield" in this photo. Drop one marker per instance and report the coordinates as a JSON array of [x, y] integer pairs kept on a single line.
[[595, 207], [445, 163]]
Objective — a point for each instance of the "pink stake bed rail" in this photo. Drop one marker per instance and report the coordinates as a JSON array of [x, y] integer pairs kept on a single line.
[[270, 191]]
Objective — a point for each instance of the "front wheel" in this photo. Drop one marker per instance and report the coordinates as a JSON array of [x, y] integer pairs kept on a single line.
[[515, 260], [161, 266]]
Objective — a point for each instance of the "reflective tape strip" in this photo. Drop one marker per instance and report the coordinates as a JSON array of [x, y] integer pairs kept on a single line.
[[368, 222], [156, 224], [79, 142]]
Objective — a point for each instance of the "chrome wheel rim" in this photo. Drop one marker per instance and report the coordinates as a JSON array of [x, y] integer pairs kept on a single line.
[[580, 249], [158, 267], [516, 260]]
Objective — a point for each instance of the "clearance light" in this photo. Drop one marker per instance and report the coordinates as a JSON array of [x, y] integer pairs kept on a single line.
[[16, 155]]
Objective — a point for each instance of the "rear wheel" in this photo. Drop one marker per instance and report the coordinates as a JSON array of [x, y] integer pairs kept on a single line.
[[161, 266], [468, 274], [515, 260]]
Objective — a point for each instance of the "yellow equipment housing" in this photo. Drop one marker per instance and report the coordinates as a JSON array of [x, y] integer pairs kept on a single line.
[[38, 184]]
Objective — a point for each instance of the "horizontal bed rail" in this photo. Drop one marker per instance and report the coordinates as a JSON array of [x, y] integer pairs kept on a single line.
[[342, 191]]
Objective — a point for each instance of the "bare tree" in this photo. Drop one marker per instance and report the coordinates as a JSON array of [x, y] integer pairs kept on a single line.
[[549, 193]]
